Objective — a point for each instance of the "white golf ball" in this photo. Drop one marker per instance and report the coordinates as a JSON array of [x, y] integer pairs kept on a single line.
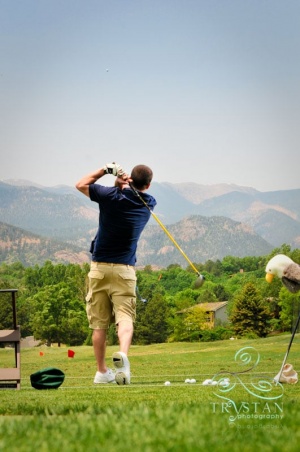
[[193, 381], [187, 380], [167, 383]]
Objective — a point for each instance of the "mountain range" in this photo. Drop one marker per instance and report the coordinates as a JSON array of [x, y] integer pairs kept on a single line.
[[209, 222]]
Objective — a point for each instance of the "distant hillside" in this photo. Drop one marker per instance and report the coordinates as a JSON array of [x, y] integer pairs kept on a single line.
[[65, 217], [273, 215], [201, 238], [64, 214], [197, 193], [184, 196], [17, 245]]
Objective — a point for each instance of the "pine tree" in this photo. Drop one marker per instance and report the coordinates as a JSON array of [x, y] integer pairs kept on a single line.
[[249, 315], [152, 327]]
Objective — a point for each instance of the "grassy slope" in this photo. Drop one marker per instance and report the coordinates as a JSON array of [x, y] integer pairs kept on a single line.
[[148, 416]]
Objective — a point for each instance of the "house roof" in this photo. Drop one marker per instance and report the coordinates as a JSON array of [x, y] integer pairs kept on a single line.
[[208, 307], [215, 306]]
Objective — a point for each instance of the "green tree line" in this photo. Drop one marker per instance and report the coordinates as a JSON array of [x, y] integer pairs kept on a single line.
[[51, 301]]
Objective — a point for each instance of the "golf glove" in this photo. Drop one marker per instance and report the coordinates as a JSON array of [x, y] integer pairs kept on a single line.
[[114, 169]]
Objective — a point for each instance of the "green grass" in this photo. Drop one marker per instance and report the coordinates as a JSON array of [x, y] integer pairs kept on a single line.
[[149, 416]]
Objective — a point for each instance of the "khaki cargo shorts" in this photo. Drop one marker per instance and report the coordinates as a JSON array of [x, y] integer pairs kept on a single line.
[[111, 296]]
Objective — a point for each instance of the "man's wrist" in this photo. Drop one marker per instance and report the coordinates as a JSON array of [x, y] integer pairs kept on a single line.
[[99, 173]]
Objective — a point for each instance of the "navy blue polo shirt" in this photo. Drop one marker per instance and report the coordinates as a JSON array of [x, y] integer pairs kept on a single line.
[[122, 219]]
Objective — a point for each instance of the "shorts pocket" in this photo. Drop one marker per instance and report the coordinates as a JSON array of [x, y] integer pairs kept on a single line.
[[128, 278], [95, 274], [88, 296], [133, 304]]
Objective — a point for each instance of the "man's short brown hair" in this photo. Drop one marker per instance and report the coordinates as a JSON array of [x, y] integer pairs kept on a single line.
[[141, 176]]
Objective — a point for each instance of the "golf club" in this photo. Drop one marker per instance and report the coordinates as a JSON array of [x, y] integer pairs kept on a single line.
[[143, 300], [200, 280], [277, 378]]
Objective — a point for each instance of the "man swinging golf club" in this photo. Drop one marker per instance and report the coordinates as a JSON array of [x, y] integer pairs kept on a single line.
[[112, 279]]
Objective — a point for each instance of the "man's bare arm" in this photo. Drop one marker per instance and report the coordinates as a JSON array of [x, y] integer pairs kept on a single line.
[[110, 168], [84, 183]]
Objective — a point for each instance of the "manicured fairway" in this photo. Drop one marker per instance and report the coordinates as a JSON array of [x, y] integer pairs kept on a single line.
[[248, 413]]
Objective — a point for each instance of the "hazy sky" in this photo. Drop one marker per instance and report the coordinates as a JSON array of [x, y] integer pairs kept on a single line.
[[204, 91]]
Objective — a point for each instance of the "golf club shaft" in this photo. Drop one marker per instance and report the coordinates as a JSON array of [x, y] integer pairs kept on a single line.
[[165, 230], [174, 241], [289, 346]]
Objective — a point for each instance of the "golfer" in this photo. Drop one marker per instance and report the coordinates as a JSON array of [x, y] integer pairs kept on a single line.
[[112, 279]]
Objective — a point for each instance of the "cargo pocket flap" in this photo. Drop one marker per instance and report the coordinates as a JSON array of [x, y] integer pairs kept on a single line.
[[95, 274], [127, 276]]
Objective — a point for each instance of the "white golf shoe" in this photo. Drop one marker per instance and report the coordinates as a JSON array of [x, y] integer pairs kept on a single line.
[[122, 366], [107, 377]]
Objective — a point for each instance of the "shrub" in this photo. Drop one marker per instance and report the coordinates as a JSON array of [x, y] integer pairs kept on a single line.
[[217, 334]]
